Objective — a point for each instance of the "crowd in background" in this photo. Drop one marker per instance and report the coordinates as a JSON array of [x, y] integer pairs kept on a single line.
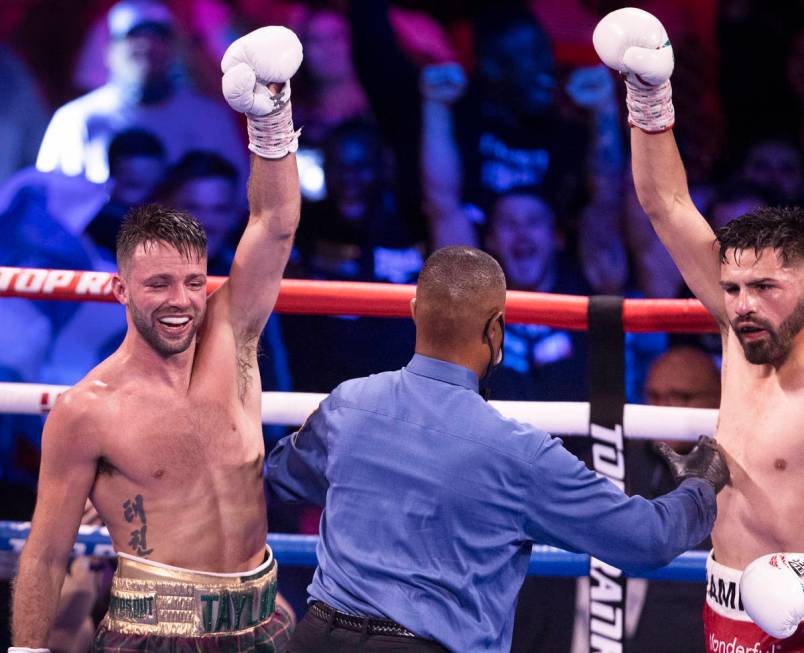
[[488, 123]]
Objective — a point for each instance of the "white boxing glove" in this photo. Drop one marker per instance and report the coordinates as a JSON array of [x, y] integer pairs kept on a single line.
[[635, 43], [269, 54], [772, 592]]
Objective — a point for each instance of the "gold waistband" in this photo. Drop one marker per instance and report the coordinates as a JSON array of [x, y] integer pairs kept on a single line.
[[149, 598]]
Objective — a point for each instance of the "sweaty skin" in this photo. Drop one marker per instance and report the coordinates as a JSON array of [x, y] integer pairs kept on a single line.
[[167, 441], [762, 404]]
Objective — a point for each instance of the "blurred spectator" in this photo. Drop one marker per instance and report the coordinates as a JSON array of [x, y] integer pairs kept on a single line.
[[505, 132], [326, 92], [517, 140], [34, 238], [390, 82], [136, 166], [776, 166], [683, 377], [523, 230], [139, 93], [540, 363], [23, 115], [206, 185], [508, 130], [734, 199], [70, 201], [506, 127], [356, 234]]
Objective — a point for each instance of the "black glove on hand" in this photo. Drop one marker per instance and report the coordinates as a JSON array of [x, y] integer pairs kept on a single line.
[[704, 461]]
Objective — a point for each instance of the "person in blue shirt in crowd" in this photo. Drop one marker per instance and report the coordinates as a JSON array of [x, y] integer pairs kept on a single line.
[[432, 499]]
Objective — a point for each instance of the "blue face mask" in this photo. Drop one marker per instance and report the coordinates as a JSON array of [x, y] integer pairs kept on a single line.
[[494, 361]]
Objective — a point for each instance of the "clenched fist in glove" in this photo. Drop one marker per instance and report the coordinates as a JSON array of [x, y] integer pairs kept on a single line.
[[269, 55], [635, 43], [772, 591]]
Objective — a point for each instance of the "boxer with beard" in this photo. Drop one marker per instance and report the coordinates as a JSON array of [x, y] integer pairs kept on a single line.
[[750, 276]]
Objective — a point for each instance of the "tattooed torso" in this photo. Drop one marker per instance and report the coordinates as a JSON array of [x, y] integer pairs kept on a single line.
[[181, 476]]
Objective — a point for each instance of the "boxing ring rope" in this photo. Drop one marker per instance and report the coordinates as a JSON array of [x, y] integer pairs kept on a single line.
[[564, 417], [299, 550], [379, 300], [393, 300]]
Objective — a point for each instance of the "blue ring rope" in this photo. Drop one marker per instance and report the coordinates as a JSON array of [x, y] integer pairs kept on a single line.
[[299, 551]]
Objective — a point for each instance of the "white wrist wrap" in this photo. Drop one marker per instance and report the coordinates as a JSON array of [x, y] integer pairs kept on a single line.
[[649, 107], [272, 136], [25, 649]]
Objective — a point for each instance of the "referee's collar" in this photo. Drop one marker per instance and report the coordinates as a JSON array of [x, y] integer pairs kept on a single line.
[[445, 371]]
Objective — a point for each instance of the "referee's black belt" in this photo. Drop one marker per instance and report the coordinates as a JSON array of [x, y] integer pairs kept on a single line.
[[357, 623]]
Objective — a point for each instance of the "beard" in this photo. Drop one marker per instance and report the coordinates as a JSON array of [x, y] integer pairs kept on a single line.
[[778, 342], [161, 345]]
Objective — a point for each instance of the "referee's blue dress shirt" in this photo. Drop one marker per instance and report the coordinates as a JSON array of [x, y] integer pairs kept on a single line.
[[433, 500]]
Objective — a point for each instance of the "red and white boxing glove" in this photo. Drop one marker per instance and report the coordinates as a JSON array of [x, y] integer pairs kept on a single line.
[[772, 591], [266, 55], [635, 43]]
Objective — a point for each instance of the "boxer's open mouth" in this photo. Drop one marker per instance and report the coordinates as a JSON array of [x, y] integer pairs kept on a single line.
[[175, 323]]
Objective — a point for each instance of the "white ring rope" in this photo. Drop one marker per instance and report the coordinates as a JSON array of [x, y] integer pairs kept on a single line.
[[558, 417]]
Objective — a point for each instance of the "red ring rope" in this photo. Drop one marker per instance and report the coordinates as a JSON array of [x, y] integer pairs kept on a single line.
[[378, 300]]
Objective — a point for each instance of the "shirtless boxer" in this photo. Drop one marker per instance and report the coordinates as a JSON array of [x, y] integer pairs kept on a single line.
[[751, 278], [165, 435]]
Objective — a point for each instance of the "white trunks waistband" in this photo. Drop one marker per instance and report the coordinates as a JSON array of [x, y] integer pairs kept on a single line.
[[723, 590]]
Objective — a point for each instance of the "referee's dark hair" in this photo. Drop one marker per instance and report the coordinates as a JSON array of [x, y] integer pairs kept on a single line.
[[459, 288]]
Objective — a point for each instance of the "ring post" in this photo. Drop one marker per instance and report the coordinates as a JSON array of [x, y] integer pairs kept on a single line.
[[606, 409]]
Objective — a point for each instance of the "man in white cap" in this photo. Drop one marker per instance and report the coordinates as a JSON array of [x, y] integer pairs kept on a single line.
[[140, 93]]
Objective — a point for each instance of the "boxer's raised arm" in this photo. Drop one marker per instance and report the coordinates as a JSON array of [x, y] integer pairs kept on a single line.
[[265, 246], [257, 69], [661, 186], [635, 43], [67, 472]]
